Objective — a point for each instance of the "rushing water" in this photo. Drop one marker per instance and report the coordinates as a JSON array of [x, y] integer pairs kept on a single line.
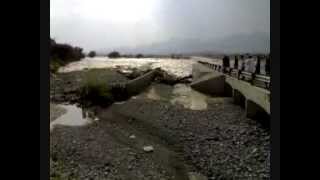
[[177, 67]]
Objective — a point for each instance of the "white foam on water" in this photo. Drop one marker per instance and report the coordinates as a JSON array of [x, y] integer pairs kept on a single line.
[[177, 67]]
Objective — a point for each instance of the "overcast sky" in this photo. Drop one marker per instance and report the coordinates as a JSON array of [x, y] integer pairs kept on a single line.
[[105, 24]]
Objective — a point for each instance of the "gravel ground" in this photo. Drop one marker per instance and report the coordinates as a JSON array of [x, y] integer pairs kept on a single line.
[[219, 143], [216, 143], [56, 111]]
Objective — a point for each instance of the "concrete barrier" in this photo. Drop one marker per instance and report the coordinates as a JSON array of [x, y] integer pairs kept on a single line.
[[199, 71], [257, 95], [238, 98], [213, 83], [137, 85], [253, 98]]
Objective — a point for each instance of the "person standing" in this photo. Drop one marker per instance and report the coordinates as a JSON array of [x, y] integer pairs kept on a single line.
[[268, 65], [257, 70], [235, 66], [242, 66], [225, 63]]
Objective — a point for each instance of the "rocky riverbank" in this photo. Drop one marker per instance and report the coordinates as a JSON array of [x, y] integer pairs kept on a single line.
[[152, 138]]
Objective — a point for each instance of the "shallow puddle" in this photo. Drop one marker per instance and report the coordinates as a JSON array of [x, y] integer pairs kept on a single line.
[[152, 94], [189, 98], [72, 116], [180, 94]]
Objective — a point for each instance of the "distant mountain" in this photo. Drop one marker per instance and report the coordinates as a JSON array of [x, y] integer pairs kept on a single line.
[[241, 43], [251, 43]]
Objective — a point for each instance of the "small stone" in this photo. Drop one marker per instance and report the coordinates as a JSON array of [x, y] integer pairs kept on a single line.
[[130, 120], [119, 103], [148, 148], [132, 136], [196, 176], [96, 119]]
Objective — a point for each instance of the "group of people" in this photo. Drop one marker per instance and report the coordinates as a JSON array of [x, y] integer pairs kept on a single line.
[[226, 63]]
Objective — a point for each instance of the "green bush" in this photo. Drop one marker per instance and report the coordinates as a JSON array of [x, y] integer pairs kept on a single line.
[[65, 52], [92, 54], [95, 91], [139, 56], [114, 54], [55, 65]]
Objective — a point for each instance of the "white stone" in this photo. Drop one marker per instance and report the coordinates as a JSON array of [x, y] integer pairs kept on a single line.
[[148, 148], [196, 176]]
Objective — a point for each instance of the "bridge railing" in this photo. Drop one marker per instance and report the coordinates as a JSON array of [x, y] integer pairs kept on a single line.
[[258, 80]]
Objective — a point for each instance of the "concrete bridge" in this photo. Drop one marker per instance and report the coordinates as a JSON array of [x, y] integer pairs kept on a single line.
[[212, 80]]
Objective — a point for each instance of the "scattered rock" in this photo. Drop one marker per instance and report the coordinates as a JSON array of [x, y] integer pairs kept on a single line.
[[196, 176], [215, 142], [254, 150], [148, 148], [131, 120]]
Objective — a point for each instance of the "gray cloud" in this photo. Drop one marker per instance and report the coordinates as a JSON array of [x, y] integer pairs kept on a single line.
[[105, 24]]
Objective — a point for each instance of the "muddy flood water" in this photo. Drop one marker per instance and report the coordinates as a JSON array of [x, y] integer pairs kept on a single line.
[[177, 67]]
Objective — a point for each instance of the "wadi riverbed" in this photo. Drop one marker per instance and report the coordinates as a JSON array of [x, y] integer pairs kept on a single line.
[[167, 132]]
